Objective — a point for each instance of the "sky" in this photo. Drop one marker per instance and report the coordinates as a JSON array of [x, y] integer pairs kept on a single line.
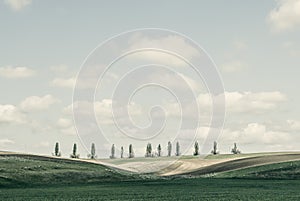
[[255, 46]]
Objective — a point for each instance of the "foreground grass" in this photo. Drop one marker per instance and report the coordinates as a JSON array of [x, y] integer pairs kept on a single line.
[[179, 189], [33, 171]]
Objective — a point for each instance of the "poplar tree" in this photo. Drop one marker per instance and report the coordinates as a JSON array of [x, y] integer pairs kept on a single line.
[[131, 153], [177, 153], [196, 147], [159, 150], [169, 149]]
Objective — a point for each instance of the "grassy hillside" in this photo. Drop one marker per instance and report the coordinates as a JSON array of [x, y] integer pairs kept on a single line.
[[247, 155], [28, 177], [27, 170], [286, 170], [243, 163]]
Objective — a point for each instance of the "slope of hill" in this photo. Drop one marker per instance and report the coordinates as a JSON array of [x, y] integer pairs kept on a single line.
[[199, 165], [27, 170], [244, 162], [285, 170], [243, 177]]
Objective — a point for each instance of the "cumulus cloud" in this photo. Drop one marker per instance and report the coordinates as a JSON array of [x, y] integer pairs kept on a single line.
[[64, 82], [293, 125], [68, 131], [251, 137], [64, 123], [16, 72], [172, 81], [286, 15], [252, 133], [244, 103], [17, 5], [68, 110], [33, 103], [10, 114], [249, 101], [256, 133], [66, 126], [159, 57], [5, 142], [173, 42], [103, 110], [240, 102]]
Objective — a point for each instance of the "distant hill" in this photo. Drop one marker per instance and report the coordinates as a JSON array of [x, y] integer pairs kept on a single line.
[[234, 168], [285, 170], [27, 170], [19, 170]]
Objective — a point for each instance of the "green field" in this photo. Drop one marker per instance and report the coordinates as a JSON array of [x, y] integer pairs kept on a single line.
[[180, 189], [286, 170], [33, 171], [25, 177]]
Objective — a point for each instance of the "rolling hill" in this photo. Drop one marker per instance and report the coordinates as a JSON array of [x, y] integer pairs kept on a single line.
[[243, 162], [28, 170], [262, 176]]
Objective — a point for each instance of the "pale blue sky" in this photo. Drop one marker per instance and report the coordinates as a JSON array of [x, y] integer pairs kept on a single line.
[[254, 54]]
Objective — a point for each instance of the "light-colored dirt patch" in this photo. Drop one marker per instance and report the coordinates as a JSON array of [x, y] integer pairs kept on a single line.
[[183, 166]]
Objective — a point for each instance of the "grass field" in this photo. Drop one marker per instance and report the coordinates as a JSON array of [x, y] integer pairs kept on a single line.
[[29, 177], [286, 170], [31, 171], [180, 189]]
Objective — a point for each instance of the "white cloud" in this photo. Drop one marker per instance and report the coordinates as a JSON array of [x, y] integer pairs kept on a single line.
[[68, 110], [286, 16], [64, 123], [252, 137], [258, 133], [16, 72], [172, 80], [5, 142], [195, 86], [66, 126], [241, 102], [17, 5], [64, 82], [159, 57], [171, 42], [293, 125], [10, 114], [103, 110], [255, 102], [89, 79], [255, 137], [38, 103], [68, 131], [235, 102]]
